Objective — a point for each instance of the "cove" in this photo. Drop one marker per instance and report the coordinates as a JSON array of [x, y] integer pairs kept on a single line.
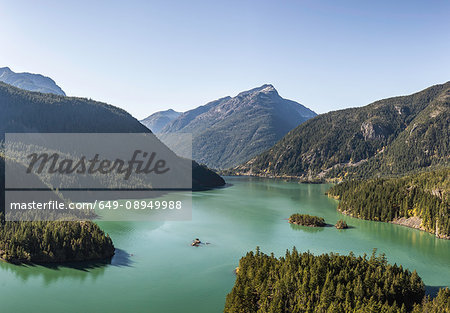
[[156, 269]]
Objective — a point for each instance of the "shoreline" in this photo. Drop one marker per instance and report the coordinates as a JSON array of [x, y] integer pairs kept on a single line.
[[410, 222], [56, 262]]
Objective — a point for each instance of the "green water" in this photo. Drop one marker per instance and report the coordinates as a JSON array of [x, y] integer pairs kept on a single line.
[[156, 269]]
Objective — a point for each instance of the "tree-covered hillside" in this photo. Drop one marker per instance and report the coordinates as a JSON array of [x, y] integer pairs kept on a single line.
[[424, 196], [392, 136], [24, 111], [302, 282]]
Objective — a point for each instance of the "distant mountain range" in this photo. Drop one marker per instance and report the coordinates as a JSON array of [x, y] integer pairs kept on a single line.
[[25, 111], [157, 121], [31, 82], [394, 136], [231, 130]]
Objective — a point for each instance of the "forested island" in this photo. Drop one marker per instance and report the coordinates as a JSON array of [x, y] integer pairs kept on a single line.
[[306, 220], [419, 201], [45, 242], [302, 282]]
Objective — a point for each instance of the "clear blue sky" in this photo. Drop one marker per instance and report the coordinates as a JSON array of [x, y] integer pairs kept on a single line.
[[146, 56]]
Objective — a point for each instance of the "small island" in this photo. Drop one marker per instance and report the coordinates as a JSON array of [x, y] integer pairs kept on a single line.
[[341, 224], [307, 220]]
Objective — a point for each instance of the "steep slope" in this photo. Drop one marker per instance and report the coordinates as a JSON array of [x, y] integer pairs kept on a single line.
[[392, 136], [25, 111], [229, 131], [31, 82], [159, 120]]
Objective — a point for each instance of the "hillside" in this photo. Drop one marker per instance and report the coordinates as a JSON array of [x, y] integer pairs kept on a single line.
[[229, 131], [30, 82], [157, 121], [420, 201], [24, 111], [388, 137]]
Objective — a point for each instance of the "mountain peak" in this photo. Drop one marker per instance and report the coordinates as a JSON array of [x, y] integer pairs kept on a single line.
[[29, 81], [266, 89], [231, 130], [158, 120]]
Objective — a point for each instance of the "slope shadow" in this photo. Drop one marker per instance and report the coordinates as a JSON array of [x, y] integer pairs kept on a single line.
[[121, 258], [432, 291]]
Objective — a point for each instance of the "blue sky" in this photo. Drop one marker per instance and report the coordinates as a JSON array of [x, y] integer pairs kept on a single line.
[[146, 56]]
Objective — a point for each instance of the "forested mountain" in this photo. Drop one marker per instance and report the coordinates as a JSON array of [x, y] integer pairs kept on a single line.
[[420, 201], [24, 111], [229, 131], [302, 282], [388, 137], [31, 82], [159, 120]]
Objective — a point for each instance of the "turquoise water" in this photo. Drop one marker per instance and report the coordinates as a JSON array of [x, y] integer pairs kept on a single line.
[[156, 270]]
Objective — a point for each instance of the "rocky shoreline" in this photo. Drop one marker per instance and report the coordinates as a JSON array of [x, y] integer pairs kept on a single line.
[[416, 223], [411, 222]]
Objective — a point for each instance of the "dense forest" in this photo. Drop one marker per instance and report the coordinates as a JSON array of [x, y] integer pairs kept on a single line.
[[393, 136], [50, 241], [440, 304], [53, 241], [306, 220], [302, 282], [424, 195]]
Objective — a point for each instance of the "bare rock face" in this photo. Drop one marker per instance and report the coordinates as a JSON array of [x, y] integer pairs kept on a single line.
[[371, 131]]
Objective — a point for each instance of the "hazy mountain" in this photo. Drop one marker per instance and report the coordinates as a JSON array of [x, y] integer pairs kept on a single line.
[[229, 131], [25, 111], [31, 82], [388, 137], [159, 120]]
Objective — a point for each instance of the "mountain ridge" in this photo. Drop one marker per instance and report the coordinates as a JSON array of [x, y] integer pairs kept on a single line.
[[231, 130], [30, 81], [26, 111], [158, 120], [394, 136]]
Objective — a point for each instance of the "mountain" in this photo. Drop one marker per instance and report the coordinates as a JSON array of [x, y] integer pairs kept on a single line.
[[31, 82], [159, 120], [394, 136], [229, 131], [25, 111]]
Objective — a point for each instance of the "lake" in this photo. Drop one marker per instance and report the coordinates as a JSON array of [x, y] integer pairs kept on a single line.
[[156, 270]]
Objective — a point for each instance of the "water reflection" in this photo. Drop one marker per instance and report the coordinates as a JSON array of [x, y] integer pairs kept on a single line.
[[81, 271], [307, 228]]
